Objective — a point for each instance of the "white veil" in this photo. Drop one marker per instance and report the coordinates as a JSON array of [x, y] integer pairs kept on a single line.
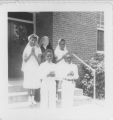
[[58, 47], [58, 51], [28, 48]]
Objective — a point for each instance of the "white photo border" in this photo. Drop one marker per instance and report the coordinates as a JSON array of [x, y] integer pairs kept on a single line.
[[26, 6]]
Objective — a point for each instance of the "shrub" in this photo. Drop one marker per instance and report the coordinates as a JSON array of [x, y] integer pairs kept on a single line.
[[87, 77]]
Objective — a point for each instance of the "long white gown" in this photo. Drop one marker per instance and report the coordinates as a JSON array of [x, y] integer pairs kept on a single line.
[[68, 86], [48, 86], [59, 54], [30, 69]]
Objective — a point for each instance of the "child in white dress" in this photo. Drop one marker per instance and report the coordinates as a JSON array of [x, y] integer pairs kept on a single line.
[[48, 86], [60, 53], [69, 75], [30, 65]]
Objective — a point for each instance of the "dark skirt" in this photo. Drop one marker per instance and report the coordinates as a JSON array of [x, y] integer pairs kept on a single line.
[[37, 95]]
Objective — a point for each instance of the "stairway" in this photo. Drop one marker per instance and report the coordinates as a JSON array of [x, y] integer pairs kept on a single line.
[[18, 96], [78, 94]]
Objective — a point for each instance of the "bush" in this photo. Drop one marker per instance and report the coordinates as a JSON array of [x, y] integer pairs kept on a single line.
[[87, 77]]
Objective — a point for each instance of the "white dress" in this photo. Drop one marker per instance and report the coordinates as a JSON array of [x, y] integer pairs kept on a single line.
[[68, 86], [30, 69], [60, 53], [48, 86]]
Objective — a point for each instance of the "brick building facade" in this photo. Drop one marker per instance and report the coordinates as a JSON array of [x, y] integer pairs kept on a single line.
[[80, 31]]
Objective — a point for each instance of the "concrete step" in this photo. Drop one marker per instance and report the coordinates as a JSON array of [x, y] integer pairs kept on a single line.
[[16, 88], [17, 97], [16, 105], [15, 82], [77, 92], [16, 92], [82, 97], [78, 101], [82, 100]]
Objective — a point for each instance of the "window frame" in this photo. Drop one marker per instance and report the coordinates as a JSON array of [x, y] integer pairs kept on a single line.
[[101, 29]]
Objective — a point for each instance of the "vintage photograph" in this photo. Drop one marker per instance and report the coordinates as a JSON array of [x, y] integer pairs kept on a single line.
[[56, 62], [55, 58]]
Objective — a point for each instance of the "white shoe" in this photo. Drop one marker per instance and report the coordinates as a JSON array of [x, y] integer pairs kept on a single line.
[[33, 101], [29, 99]]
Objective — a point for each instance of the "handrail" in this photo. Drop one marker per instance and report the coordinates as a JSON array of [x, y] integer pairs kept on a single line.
[[83, 62], [94, 73]]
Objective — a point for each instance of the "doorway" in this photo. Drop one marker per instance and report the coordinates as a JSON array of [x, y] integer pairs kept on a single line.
[[19, 28]]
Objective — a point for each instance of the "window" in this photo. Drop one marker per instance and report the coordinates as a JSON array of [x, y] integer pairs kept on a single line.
[[100, 40], [100, 20], [21, 15], [100, 31]]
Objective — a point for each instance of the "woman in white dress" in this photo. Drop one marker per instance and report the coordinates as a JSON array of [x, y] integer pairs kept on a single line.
[[48, 86], [70, 74], [30, 65], [60, 53]]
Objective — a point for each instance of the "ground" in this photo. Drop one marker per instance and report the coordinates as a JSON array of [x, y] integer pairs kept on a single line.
[[89, 111]]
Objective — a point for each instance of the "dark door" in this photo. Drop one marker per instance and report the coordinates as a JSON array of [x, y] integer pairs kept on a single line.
[[17, 40]]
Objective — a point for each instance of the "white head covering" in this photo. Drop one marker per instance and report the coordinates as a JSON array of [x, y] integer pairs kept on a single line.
[[58, 52], [28, 48], [32, 35], [58, 47], [29, 38]]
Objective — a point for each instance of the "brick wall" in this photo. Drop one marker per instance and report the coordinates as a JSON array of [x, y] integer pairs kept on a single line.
[[80, 31]]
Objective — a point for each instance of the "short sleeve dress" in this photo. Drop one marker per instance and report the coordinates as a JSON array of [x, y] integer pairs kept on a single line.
[[30, 69]]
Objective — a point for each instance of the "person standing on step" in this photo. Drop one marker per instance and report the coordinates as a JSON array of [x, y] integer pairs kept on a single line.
[[30, 65], [44, 45], [69, 75], [60, 52], [48, 86]]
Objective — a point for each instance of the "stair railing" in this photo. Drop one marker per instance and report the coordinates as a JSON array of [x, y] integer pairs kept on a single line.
[[94, 74]]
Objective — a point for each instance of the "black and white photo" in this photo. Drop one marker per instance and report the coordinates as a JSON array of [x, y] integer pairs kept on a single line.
[[58, 60]]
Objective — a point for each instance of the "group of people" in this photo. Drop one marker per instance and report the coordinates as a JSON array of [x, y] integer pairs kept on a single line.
[[47, 69]]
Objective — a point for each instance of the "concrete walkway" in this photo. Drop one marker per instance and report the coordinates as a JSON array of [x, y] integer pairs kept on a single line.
[[90, 111]]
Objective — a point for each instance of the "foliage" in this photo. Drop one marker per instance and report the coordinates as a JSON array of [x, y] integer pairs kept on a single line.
[[87, 76]]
